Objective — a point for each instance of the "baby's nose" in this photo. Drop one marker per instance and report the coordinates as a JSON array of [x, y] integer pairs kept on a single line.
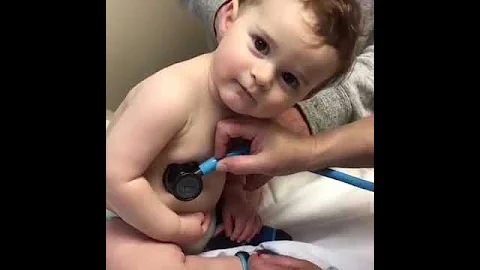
[[263, 74]]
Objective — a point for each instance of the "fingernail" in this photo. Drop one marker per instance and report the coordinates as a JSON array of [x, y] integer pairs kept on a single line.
[[221, 167], [265, 256]]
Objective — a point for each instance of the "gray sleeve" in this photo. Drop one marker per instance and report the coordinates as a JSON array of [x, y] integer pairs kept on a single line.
[[346, 102], [205, 11], [353, 98]]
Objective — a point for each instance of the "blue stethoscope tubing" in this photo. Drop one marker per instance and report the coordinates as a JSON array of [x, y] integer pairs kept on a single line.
[[346, 178], [210, 165]]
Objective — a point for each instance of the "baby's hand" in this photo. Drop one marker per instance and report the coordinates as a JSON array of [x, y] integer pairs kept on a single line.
[[193, 227], [240, 218]]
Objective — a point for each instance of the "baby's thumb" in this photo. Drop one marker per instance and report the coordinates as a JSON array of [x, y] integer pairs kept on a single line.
[[242, 165], [199, 216], [193, 218]]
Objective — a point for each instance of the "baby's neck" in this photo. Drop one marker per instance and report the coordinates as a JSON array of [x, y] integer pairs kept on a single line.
[[211, 88]]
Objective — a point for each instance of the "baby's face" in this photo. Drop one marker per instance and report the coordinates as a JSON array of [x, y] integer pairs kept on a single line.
[[269, 59]]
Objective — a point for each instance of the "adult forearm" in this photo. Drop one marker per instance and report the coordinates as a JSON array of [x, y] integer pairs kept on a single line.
[[350, 146]]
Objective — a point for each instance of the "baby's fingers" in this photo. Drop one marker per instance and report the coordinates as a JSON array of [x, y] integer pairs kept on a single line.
[[249, 231], [227, 222], [258, 227], [240, 223], [206, 223]]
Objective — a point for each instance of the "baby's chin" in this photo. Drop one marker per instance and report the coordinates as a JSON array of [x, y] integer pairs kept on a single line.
[[235, 103], [239, 105], [246, 110]]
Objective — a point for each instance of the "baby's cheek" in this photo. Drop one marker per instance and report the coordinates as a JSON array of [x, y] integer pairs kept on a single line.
[[223, 65], [278, 102], [236, 58]]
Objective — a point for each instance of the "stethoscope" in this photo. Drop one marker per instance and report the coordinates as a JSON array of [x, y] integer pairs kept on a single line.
[[184, 181]]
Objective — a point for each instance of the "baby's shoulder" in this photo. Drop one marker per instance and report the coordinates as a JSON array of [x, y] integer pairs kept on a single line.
[[161, 88], [172, 92], [174, 82]]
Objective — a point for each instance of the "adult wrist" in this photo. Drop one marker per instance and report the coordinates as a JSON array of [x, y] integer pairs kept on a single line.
[[303, 117], [294, 120], [320, 153], [349, 146]]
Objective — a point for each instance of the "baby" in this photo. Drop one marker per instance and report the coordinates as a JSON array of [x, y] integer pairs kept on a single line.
[[271, 55]]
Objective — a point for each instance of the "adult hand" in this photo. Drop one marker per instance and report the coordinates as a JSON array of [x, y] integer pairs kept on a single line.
[[278, 151], [279, 262], [292, 120], [274, 149]]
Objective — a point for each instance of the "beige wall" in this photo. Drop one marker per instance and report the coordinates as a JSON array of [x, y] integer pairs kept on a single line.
[[144, 36]]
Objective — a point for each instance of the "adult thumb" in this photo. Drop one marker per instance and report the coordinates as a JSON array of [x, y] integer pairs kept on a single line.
[[241, 165]]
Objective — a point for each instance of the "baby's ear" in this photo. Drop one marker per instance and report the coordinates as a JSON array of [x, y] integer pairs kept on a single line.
[[225, 17]]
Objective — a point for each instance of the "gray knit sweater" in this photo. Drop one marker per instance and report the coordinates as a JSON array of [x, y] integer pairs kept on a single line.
[[333, 106]]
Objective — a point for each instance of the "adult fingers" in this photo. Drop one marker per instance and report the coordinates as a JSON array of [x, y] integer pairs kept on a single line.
[[246, 128], [244, 164], [255, 263], [287, 262]]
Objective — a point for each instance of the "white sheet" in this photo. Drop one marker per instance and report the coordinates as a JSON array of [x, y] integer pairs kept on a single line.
[[336, 217], [344, 245], [299, 250]]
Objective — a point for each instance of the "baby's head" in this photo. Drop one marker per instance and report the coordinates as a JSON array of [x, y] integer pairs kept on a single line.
[[275, 53]]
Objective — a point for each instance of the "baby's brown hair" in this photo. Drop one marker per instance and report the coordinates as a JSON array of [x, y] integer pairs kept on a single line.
[[339, 24]]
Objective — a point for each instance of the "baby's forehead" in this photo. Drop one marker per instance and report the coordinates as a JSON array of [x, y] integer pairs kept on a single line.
[[293, 20], [295, 41], [314, 63], [293, 28]]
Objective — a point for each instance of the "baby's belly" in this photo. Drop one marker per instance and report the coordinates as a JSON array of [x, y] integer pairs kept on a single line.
[[205, 202], [212, 190]]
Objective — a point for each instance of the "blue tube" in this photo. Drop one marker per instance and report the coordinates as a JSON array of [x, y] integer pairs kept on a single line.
[[210, 166], [346, 178]]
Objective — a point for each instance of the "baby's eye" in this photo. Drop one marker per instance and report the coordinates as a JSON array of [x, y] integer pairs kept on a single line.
[[290, 80], [261, 45]]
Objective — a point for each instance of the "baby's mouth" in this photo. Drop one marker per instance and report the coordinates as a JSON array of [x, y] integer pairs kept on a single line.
[[246, 91]]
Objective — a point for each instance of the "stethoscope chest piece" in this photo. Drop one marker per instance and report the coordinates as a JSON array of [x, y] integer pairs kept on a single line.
[[182, 181]]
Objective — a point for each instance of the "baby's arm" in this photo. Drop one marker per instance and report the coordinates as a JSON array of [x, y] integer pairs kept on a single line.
[[128, 249], [152, 118]]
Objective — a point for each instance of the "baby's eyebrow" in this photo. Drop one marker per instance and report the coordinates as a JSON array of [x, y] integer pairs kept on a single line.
[[269, 39], [274, 45]]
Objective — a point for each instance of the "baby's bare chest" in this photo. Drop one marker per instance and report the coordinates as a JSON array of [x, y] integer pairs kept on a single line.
[[194, 144]]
